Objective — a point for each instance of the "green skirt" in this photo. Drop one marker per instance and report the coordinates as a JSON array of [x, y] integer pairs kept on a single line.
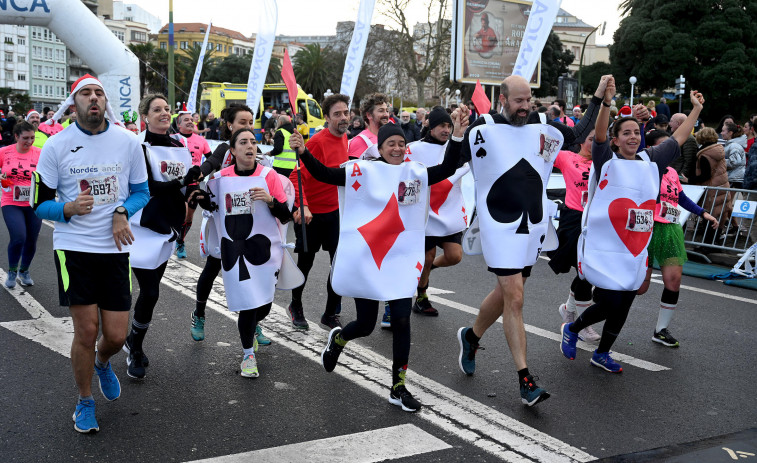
[[666, 247]]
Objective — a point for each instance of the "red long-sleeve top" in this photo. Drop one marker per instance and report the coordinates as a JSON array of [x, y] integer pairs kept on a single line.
[[332, 152]]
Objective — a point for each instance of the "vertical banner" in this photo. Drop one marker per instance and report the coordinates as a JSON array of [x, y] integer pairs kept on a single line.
[[192, 103], [357, 48], [540, 21], [264, 40]]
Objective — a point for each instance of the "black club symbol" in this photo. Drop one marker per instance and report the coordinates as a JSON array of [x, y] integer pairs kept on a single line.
[[256, 249]]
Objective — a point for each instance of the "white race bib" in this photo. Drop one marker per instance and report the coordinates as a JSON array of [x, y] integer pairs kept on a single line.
[[669, 212], [408, 192], [172, 170], [104, 189], [21, 193], [239, 202], [640, 220]]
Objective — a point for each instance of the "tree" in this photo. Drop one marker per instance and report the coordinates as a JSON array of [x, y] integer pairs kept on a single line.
[[232, 68], [21, 102], [591, 74], [422, 51], [145, 53], [709, 42], [190, 61], [313, 69], [5, 94], [554, 63]]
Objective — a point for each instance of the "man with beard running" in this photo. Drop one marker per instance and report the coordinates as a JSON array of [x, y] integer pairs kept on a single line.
[[321, 204], [98, 171], [506, 299], [375, 113]]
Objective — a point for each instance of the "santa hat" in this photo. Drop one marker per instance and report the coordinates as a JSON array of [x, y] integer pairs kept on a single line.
[[83, 81], [625, 111], [31, 111]]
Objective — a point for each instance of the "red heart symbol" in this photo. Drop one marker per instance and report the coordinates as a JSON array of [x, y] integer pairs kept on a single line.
[[602, 184], [439, 194], [635, 241]]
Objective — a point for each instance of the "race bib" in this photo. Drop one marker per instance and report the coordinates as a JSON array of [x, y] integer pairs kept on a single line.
[[239, 203], [104, 189], [548, 147], [408, 192], [21, 193], [669, 212], [640, 220], [584, 198], [172, 170]]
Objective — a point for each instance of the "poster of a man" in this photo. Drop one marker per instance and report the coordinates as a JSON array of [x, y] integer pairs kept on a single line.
[[485, 39]]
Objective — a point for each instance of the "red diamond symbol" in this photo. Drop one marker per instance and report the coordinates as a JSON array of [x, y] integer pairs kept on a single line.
[[356, 185], [381, 232], [407, 159], [439, 194], [419, 267]]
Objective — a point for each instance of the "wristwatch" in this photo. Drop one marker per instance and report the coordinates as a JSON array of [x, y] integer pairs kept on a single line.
[[122, 210]]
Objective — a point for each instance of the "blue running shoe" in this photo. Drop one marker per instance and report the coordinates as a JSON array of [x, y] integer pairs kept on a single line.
[[568, 342], [109, 385], [386, 320], [10, 282], [84, 417], [606, 362], [198, 328], [260, 337], [530, 393], [467, 359], [25, 279], [181, 253]]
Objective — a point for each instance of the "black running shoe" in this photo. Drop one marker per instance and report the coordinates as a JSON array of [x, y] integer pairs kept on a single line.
[[332, 321], [135, 364], [530, 393], [423, 306], [127, 348], [330, 354], [665, 338], [298, 317], [401, 397]]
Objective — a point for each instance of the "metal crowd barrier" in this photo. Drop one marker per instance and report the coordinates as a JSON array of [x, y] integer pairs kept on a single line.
[[737, 230]]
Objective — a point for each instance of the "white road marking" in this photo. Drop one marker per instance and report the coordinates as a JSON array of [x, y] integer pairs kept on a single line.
[[455, 413], [54, 333], [382, 444], [555, 336]]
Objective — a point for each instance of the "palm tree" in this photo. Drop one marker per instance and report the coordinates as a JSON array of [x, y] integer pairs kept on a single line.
[[145, 53], [312, 69], [190, 61], [274, 71]]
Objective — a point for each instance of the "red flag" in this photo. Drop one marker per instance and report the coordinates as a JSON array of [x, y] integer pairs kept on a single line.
[[482, 103], [287, 74]]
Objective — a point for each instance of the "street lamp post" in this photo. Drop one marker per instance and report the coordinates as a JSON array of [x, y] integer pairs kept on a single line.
[[632, 80], [446, 97], [581, 61], [457, 95]]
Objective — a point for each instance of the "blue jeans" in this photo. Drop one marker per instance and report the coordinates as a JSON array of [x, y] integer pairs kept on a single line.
[[23, 227]]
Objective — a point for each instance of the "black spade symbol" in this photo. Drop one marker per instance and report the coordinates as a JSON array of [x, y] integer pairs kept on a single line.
[[517, 195], [255, 249], [481, 153]]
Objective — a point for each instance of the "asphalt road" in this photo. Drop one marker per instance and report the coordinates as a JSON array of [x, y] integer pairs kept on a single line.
[[194, 405]]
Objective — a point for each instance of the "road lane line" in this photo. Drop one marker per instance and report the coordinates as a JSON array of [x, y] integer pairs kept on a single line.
[[26, 300], [554, 336], [382, 444], [455, 413]]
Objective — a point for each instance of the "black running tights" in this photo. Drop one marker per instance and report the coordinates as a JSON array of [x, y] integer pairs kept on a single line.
[[305, 263], [149, 291], [207, 277], [610, 306], [248, 320], [367, 315]]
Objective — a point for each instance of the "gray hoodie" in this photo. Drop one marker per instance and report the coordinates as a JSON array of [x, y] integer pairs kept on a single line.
[[735, 158]]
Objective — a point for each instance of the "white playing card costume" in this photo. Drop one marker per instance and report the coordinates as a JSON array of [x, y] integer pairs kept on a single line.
[[150, 248], [383, 211], [616, 225], [447, 214], [511, 167], [250, 242]]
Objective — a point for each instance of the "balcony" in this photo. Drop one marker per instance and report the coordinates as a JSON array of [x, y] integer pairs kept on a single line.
[[10, 66]]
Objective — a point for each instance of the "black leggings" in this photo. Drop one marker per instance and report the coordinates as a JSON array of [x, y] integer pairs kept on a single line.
[[207, 277], [367, 315], [611, 306], [305, 263], [149, 291], [581, 289], [248, 320]]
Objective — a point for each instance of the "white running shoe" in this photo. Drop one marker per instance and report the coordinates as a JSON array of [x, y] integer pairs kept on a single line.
[[567, 315], [587, 334], [249, 367]]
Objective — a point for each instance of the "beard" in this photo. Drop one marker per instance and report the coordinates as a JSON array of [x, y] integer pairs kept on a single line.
[[516, 119], [91, 119], [341, 127]]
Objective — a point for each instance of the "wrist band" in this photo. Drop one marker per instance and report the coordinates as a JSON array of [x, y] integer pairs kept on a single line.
[[605, 104], [458, 139]]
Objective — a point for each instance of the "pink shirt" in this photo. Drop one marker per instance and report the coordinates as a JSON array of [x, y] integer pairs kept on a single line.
[[670, 188], [18, 169], [575, 170], [358, 146], [50, 130], [275, 188], [197, 145]]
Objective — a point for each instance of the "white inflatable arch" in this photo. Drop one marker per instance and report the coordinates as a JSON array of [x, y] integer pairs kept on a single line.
[[75, 25]]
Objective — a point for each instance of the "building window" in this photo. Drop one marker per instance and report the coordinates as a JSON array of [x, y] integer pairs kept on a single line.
[[22, 77], [9, 40], [22, 59], [119, 35], [9, 75], [219, 47], [138, 36], [163, 45], [21, 41], [8, 57], [34, 33], [184, 45]]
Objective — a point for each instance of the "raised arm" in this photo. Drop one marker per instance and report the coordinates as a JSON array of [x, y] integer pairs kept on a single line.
[[603, 118], [452, 155], [330, 175], [682, 132]]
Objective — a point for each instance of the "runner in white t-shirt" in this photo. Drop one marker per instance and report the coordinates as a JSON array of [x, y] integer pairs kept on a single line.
[[99, 174]]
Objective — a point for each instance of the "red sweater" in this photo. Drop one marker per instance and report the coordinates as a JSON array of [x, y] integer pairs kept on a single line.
[[332, 152]]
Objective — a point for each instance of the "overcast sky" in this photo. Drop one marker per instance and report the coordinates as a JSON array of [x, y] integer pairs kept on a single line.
[[319, 17]]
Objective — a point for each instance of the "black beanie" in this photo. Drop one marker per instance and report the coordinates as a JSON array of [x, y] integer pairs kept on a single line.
[[387, 130], [438, 116]]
